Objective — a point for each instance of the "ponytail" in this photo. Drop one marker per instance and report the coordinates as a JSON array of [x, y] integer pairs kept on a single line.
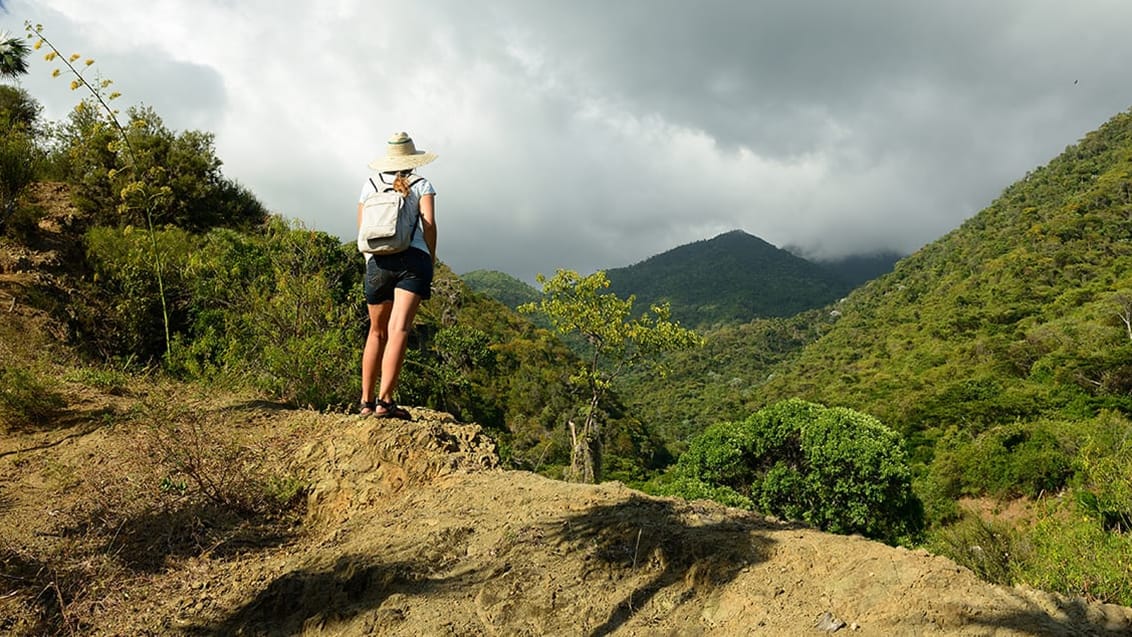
[[401, 183]]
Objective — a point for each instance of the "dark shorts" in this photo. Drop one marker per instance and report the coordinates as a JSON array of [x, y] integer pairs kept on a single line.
[[409, 270]]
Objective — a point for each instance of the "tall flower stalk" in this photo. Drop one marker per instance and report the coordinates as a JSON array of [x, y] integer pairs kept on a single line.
[[137, 189]]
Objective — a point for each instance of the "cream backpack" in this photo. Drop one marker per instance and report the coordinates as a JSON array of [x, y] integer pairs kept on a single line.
[[387, 224]]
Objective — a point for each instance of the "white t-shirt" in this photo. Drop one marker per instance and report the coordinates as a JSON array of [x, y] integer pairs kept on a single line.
[[413, 202]]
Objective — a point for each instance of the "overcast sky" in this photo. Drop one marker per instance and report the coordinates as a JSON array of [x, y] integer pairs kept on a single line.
[[591, 135]]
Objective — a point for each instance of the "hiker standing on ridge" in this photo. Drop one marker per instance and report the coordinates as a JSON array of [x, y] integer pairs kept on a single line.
[[397, 280]]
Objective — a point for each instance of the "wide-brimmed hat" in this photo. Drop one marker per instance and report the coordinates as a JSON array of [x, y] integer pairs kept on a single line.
[[401, 154]]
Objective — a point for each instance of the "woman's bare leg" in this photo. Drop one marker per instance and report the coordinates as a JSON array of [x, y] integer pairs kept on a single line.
[[374, 350], [398, 323]]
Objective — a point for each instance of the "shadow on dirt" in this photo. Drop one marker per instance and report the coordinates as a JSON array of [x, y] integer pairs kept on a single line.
[[306, 598], [146, 541], [77, 427], [667, 541], [41, 592], [1076, 619], [656, 544]]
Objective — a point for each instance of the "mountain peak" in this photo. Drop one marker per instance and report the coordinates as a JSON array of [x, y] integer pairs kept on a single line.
[[732, 277]]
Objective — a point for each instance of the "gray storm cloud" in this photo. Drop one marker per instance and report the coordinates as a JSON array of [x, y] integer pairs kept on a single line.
[[591, 134]]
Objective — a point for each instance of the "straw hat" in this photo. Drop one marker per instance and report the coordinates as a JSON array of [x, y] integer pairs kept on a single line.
[[401, 154]]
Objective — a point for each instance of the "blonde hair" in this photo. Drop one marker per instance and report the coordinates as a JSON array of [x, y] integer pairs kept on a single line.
[[401, 183]]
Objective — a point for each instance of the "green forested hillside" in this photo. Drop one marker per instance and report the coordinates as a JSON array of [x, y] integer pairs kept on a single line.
[[720, 380], [732, 278], [1020, 313], [501, 286]]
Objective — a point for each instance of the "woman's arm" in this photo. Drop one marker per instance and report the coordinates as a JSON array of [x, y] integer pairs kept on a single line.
[[428, 222]]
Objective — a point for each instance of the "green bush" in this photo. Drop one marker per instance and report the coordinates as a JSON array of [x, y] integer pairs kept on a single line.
[[835, 468], [1069, 552], [123, 318], [19, 158], [26, 399], [279, 310], [690, 488], [989, 549], [1021, 459]]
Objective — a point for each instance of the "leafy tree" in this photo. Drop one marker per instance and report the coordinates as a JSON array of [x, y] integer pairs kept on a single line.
[[18, 109], [838, 469], [183, 167], [20, 157], [575, 305]]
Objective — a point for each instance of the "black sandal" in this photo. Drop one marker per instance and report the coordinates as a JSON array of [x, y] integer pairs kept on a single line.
[[369, 408], [392, 411]]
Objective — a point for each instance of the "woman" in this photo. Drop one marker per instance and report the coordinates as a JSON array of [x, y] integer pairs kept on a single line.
[[395, 284]]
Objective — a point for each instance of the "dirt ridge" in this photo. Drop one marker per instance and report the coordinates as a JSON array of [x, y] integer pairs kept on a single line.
[[456, 546]]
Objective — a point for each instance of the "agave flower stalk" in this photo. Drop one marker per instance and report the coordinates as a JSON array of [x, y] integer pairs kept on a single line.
[[138, 189]]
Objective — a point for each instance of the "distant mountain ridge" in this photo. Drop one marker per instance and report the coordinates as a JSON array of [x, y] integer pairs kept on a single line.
[[732, 278]]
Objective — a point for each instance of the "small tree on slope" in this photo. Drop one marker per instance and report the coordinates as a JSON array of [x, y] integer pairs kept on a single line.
[[615, 344]]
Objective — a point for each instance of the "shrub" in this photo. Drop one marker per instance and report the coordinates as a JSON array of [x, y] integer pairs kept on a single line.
[[1069, 552], [201, 456], [26, 400], [19, 158], [1021, 459], [124, 317], [691, 488], [279, 311], [835, 468], [989, 549]]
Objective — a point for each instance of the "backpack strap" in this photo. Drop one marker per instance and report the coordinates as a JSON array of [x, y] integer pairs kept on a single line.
[[413, 232], [412, 182]]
